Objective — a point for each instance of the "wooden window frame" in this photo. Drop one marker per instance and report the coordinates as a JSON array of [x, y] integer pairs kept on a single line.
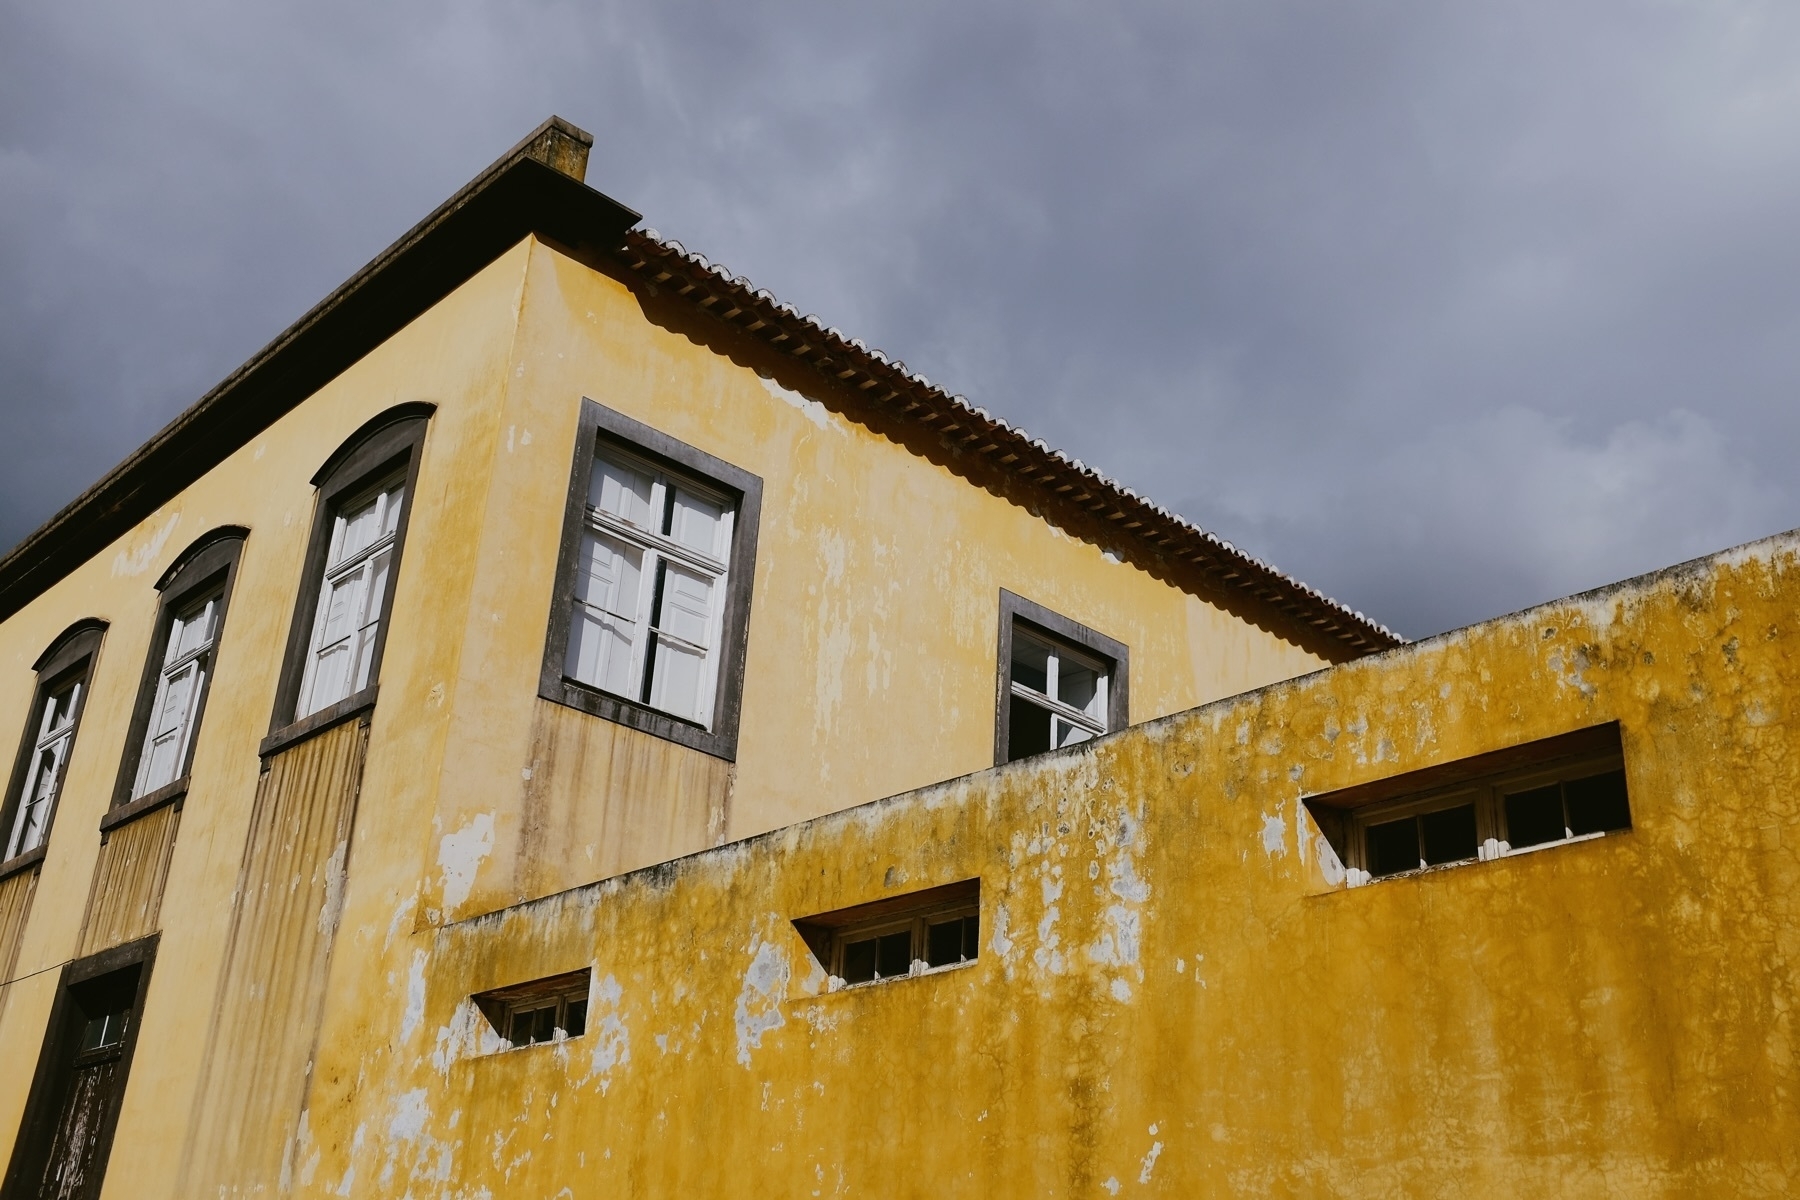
[[828, 934], [206, 567], [389, 445], [563, 991], [631, 438], [71, 657], [1045, 625], [43, 1105], [1483, 782]]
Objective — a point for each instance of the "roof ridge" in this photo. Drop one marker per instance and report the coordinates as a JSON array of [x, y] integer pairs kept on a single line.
[[1339, 621]]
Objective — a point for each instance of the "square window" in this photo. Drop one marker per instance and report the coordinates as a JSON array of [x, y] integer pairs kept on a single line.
[[1060, 683], [658, 553]]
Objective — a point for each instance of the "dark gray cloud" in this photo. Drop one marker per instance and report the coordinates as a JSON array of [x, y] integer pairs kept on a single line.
[[1446, 311]]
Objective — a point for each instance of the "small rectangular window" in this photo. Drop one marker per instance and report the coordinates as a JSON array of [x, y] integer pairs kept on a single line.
[[1061, 683], [544, 1010], [898, 938], [1547, 793]]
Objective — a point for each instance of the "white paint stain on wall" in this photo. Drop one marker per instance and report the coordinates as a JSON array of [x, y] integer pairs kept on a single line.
[[1274, 835], [415, 996], [812, 410], [612, 1040], [135, 560], [759, 1000], [460, 856]]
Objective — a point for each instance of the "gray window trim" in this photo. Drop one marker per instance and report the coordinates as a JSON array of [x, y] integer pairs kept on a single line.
[[73, 654], [1016, 609], [386, 444], [211, 562], [598, 422]]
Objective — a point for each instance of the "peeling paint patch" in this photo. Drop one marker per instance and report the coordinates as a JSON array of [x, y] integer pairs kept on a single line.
[[612, 1045], [812, 410], [759, 1000], [415, 996], [461, 854], [1274, 835], [138, 559], [1149, 1163]]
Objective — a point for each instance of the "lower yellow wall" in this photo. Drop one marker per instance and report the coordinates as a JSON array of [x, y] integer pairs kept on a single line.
[[1171, 997]]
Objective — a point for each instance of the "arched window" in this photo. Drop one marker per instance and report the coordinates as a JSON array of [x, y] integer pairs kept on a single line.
[[347, 589], [63, 674], [171, 701]]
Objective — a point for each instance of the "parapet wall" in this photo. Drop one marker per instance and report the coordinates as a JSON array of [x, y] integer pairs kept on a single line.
[[1176, 991]]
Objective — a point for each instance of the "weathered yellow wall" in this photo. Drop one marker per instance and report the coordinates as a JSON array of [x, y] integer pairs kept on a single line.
[[874, 615], [871, 670], [1171, 999], [454, 356]]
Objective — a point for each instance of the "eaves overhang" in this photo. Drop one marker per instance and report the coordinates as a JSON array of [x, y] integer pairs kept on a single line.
[[875, 382], [529, 190], [537, 189]]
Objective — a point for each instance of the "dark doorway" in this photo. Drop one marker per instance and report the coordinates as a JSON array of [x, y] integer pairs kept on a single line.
[[67, 1130]]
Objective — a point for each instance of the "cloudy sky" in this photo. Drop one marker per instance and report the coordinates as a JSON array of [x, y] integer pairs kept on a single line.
[[1446, 309]]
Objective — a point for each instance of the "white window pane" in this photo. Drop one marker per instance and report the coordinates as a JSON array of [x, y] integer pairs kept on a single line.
[[608, 574], [675, 687], [40, 792], [174, 694], [697, 524], [390, 516], [162, 758], [59, 710], [686, 605], [623, 492], [357, 530], [331, 675], [1079, 687], [1066, 734], [371, 617], [342, 608], [600, 651]]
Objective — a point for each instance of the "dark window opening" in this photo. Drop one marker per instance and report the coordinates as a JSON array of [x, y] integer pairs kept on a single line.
[[1060, 682], [66, 1136], [543, 1010], [899, 937], [1560, 790]]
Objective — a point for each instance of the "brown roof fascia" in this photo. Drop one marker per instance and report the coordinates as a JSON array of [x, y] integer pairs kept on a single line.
[[535, 188], [880, 383]]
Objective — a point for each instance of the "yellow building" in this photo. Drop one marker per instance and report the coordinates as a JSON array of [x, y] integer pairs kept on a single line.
[[559, 722]]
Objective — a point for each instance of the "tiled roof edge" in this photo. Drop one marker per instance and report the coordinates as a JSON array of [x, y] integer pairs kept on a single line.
[[888, 384]]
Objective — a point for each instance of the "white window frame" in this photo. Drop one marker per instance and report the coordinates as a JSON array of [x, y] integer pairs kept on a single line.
[[918, 924], [374, 561], [42, 787], [1488, 796], [196, 661], [660, 550], [1082, 723]]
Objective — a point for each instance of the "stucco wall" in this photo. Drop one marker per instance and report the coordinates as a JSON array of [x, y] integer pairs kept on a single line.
[[874, 615], [1172, 998], [454, 356], [871, 670]]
